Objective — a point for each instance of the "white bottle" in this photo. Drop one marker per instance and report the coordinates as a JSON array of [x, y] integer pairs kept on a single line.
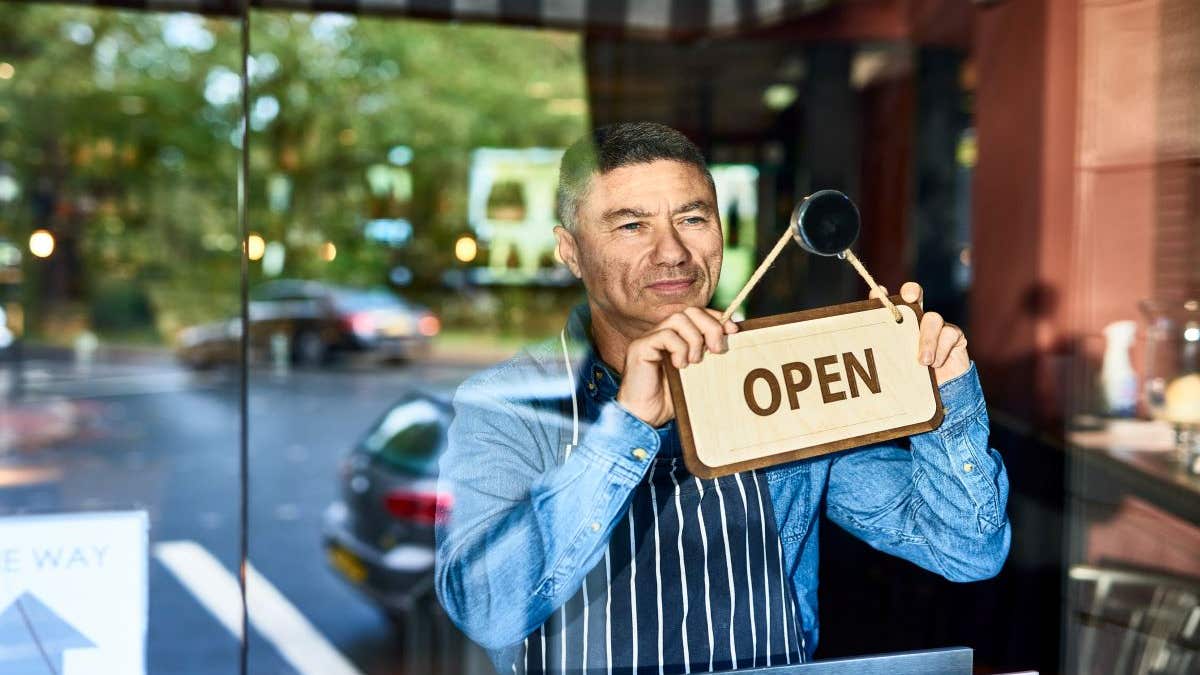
[[1118, 381]]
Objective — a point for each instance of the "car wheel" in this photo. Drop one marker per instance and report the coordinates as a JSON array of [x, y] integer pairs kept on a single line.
[[309, 349]]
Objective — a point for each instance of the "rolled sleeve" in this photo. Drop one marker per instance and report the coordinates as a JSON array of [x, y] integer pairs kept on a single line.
[[942, 503], [962, 399]]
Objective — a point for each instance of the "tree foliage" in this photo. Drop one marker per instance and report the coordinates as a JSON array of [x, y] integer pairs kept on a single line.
[[122, 130]]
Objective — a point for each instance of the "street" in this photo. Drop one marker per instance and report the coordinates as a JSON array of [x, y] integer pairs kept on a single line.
[[151, 435]]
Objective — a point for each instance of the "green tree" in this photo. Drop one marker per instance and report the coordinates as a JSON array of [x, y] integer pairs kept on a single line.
[[122, 129]]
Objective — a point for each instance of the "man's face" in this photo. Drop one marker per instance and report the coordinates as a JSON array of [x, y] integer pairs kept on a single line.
[[647, 244]]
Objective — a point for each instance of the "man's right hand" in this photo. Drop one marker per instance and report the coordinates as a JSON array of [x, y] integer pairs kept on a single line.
[[682, 338]]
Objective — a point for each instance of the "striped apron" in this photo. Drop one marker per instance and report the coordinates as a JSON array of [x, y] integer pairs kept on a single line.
[[692, 581]]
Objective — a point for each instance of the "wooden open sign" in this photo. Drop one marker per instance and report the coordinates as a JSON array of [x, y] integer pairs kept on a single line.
[[804, 384]]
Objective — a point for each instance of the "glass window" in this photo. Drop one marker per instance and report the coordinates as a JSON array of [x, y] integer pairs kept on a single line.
[[370, 193], [119, 258]]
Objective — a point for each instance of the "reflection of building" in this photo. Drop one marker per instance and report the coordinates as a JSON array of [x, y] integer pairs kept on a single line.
[[510, 205], [737, 201], [511, 208]]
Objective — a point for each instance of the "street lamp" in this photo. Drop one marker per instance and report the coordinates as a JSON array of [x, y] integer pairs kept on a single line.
[[465, 249], [41, 243], [328, 251], [256, 246]]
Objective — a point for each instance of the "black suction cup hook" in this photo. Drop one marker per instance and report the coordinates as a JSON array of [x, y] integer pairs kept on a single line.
[[826, 223]]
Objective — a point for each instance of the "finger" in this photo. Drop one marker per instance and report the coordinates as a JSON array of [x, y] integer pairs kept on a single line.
[[912, 292], [931, 325], [957, 353], [875, 294], [667, 343], [729, 326], [681, 324], [949, 336], [714, 335]]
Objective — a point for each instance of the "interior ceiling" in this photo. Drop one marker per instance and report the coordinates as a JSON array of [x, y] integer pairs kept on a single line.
[[711, 89], [716, 91]]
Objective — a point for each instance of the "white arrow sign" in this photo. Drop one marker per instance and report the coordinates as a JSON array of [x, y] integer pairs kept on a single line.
[[73, 593]]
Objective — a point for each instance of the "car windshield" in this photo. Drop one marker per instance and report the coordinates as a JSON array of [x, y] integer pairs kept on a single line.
[[409, 437], [357, 301]]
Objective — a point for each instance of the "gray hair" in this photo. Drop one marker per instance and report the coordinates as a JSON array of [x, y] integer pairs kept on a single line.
[[614, 146]]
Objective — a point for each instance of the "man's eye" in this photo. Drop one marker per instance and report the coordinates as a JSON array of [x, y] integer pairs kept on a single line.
[[695, 220], [630, 226]]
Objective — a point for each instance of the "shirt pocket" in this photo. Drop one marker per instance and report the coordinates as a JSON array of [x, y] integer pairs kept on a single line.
[[791, 489]]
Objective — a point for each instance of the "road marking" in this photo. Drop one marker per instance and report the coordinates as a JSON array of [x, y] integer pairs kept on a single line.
[[167, 382], [276, 619]]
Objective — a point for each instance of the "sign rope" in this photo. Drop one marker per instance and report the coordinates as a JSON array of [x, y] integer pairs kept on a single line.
[[770, 259]]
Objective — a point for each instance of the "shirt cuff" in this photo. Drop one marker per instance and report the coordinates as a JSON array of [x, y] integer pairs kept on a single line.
[[620, 440], [962, 397]]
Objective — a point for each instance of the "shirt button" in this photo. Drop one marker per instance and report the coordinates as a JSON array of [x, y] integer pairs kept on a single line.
[[591, 386], [595, 527], [945, 410], [640, 454], [599, 374], [968, 467]]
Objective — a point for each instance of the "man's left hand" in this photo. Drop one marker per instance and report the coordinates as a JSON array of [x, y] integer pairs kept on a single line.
[[941, 345]]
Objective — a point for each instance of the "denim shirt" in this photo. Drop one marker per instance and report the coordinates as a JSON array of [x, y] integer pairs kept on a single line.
[[541, 461]]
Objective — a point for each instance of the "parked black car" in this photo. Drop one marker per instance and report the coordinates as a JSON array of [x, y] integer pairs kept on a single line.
[[379, 536], [315, 321]]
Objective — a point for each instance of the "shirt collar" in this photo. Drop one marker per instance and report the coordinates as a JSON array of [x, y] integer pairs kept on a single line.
[[599, 381]]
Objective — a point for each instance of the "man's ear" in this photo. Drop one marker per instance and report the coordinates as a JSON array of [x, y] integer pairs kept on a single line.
[[568, 250]]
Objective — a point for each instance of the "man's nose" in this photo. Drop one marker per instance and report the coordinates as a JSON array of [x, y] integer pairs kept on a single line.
[[668, 247]]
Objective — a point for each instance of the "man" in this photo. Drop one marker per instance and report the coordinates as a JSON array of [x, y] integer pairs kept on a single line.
[[577, 540]]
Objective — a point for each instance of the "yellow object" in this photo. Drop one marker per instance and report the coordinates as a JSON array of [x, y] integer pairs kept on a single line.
[[348, 564], [465, 249], [328, 251], [41, 243], [256, 246], [1183, 400]]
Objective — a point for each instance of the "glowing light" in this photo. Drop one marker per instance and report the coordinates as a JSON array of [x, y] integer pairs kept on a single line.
[[967, 152], [429, 325], [41, 243], [256, 246], [779, 96], [6, 71], [465, 249], [328, 251]]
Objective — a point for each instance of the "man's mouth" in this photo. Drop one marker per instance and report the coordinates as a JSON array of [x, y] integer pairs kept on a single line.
[[671, 286]]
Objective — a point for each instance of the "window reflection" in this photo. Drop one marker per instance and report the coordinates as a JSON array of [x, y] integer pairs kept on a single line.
[[383, 234], [118, 505], [400, 206]]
